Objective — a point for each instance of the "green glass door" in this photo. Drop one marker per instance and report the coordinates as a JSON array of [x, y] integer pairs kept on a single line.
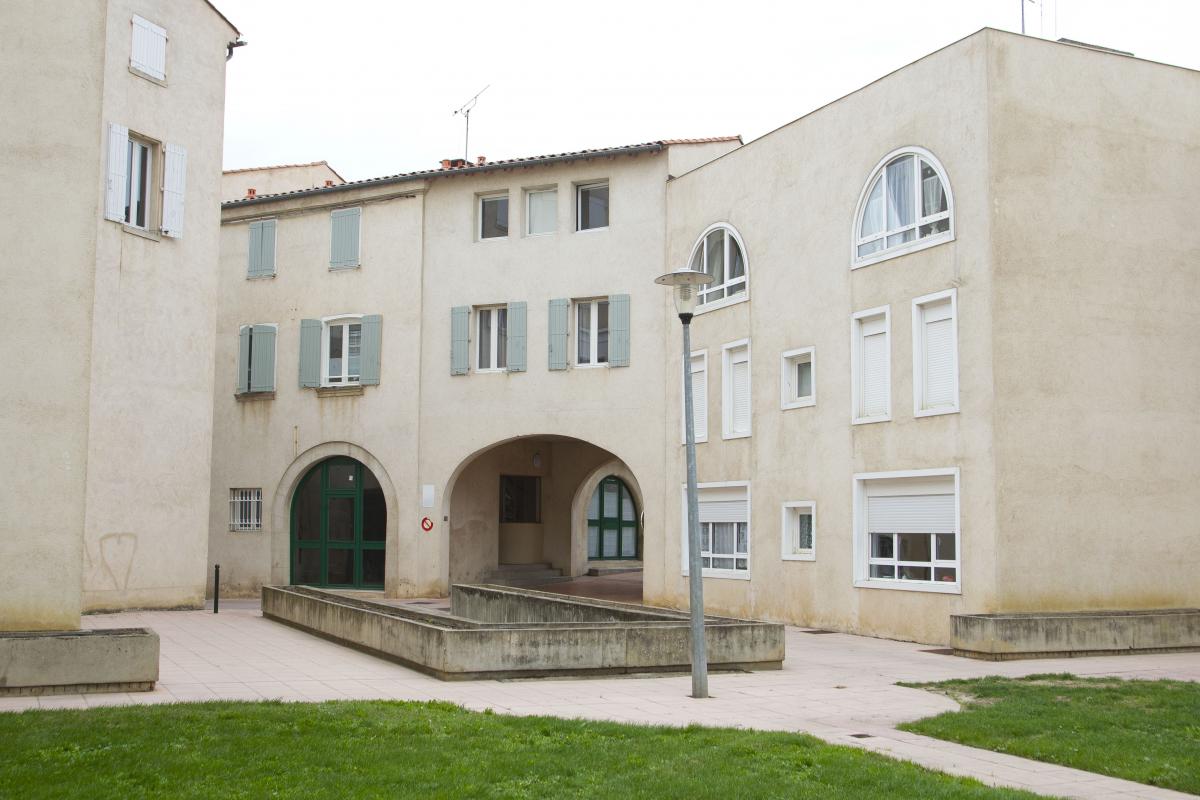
[[612, 521], [339, 523]]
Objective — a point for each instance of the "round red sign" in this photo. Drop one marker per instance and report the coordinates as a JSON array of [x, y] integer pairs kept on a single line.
[[426, 524]]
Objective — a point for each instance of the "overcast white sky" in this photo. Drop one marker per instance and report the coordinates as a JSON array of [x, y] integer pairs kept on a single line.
[[370, 85]]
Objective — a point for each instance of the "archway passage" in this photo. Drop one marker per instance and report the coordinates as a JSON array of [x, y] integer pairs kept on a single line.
[[339, 524], [612, 522]]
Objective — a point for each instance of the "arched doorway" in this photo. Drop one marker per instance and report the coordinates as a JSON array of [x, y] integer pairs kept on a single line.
[[612, 522], [338, 528]]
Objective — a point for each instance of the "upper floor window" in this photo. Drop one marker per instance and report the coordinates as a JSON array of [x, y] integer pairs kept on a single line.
[[148, 53], [491, 334], [345, 238], [591, 206], [130, 181], [138, 194], [260, 260], [591, 332], [905, 206], [493, 217], [256, 358], [541, 211], [719, 253], [342, 352]]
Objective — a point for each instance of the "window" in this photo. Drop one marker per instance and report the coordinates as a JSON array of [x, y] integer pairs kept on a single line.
[[245, 509], [724, 530], [491, 332], [905, 207], [797, 379], [591, 201], [906, 530], [148, 54], [735, 380], [612, 520], [493, 217], [345, 238], [260, 261], [256, 358], [935, 354], [342, 352], [138, 193], [130, 182], [799, 526], [520, 499], [541, 211], [719, 252], [591, 332], [699, 364], [870, 364]]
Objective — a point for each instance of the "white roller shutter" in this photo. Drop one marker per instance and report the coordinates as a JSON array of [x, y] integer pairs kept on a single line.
[[116, 173], [174, 186], [874, 399], [149, 51], [914, 513], [700, 396], [940, 359], [741, 397], [724, 510]]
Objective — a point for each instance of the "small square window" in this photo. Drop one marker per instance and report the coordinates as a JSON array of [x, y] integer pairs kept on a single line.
[[798, 379], [493, 217], [541, 211], [520, 499], [245, 509], [592, 206], [799, 531]]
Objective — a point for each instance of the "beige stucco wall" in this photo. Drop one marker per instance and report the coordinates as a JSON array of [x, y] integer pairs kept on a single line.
[[235, 183]]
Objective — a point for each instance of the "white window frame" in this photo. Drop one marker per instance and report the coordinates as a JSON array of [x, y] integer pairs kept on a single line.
[[731, 234], [727, 361], [701, 435], [856, 340], [593, 338], [918, 320], [788, 361], [245, 503], [326, 324], [789, 551], [709, 572], [494, 329], [579, 188], [136, 67], [479, 201], [529, 193], [916, 244], [152, 147], [862, 545]]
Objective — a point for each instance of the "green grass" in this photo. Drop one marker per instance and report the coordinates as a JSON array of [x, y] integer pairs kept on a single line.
[[427, 750], [1144, 731]]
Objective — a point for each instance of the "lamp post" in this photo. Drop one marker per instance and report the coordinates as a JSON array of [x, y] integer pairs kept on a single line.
[[687, 283]]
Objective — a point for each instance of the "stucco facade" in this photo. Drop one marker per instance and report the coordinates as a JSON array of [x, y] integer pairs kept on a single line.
[[239, 183]]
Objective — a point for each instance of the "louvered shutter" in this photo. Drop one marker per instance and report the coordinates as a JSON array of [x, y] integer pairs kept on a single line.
[[939, 362], [460, 336], [243, 373], [559, 324], [344, 237], [700, 397], [516, 337], [254, 250], [117, 172], [618, 330], [370, 348], [874, 398], [149, 51], [262, 359], [174, 186], [261, 254], [917, 513], [310, 353]]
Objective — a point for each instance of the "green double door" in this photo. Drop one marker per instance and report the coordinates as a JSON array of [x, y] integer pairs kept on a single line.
[[612, 521], [339, 524]]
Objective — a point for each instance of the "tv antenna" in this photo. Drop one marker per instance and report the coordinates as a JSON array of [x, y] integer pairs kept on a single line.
[[466, 109]]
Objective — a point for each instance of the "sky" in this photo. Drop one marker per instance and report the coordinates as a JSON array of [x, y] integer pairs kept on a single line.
[[371, 86]]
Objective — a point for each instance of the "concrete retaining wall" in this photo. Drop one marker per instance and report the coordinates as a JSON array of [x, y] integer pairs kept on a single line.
[[1012, 636], [60, 662]]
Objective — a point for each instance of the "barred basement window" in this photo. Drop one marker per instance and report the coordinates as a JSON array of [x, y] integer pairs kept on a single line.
[[245, 509]]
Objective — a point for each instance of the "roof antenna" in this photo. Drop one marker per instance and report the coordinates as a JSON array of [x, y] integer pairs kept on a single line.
[[1023, 2], [466, 113]]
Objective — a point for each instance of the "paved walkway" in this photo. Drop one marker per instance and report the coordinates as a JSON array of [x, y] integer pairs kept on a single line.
[[834, 686]]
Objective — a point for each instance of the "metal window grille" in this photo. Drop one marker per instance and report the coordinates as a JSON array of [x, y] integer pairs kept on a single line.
[[245, 509]]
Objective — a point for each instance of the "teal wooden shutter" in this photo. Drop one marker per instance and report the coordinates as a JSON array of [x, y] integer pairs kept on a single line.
[[262, 358], [243, 374], [370, 347], [343, 245], [254, 254], [516, 337], [558, 324], [261, 258], [310, 353], [618, 330], [460, 328]]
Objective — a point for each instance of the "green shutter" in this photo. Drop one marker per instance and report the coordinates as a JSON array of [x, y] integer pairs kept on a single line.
[[310, 353], [243, 374], [460, 327], [618, 330], [371, 344], [262, 359], [268, 247], [343, 245], [261, 256], [516, 337], [558, 324]]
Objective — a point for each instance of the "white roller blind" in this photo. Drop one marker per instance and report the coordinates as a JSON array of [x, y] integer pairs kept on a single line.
[[149, 51], [914, 513], [741, 397], [723, 510], [873, 393], [939, 356], [543, 211], [117, 172], [700, 396]]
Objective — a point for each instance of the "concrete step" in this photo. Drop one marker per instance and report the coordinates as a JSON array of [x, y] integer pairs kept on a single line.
[[527, 582], [523, 567], [596, 572]]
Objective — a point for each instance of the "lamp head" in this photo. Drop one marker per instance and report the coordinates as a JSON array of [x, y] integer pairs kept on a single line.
[[687, 283]]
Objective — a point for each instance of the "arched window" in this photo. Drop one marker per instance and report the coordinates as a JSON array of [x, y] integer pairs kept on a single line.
[[905, 206], [720, 253], [612, 521]]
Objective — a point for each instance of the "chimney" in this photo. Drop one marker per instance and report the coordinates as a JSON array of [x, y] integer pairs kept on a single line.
[[480, 160], [445, 163], [251, 193], [328, 183]]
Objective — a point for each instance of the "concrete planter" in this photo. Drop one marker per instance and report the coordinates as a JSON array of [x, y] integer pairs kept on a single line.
[[999, 637], [70, 662]]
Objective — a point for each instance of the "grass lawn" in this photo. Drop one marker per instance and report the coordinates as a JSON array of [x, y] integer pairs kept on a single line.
[[427, 750], [1145, 731]]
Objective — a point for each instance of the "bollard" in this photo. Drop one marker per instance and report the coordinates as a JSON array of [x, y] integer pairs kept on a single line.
[[216, 587]]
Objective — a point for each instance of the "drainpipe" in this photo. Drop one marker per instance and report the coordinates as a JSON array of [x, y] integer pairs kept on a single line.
[[231, 45]]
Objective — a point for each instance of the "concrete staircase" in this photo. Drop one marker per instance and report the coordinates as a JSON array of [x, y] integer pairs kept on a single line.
[[525, 575]]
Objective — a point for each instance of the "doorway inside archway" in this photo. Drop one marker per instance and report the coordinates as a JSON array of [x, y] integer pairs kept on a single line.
[[612, 522], [338, 527]]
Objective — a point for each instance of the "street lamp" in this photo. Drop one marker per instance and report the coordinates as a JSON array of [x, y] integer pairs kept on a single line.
[[687, 283]]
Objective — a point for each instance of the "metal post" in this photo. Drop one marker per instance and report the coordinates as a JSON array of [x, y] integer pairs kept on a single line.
[[216, 587], [695, 571]]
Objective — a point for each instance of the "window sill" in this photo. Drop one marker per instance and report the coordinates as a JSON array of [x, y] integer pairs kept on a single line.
[[245, 530], [936, 412], [591, 230], [340, 391], [590, 366], [910, 586], [486, 239], [250, 397], [870, 420], [141, 232], [265, 276], [921, 244], [725, 574], [135, 71], [807, 402], [799, 557], [729, 436], [345, 268], [724, 302]]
